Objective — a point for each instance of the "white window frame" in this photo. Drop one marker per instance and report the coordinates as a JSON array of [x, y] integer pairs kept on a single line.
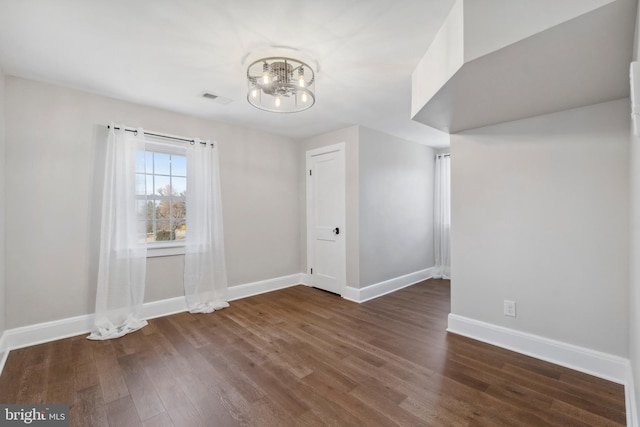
[[170, 247]]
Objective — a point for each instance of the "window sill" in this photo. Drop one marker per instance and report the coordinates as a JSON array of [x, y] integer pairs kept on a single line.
[[170, 249]]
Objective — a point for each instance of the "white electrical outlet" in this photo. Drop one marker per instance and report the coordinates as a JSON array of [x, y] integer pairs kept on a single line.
[[510, 308]]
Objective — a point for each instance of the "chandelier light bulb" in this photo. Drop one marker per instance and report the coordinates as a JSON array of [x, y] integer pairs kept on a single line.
[[265, 73], [254, 93], [301, 77], [277, 101], [304, 96]]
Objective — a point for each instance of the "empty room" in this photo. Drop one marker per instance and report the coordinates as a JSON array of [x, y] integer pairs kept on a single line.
[[347, 213]]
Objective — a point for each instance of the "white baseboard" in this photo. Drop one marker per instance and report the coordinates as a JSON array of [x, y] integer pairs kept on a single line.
[[351, 294], [379, 289], [630, 399], [39, 333], [3, 359], [3, 347], [48, 331], [306, 279], [165, 307], [596, 363], [592, 362], [256, 288]]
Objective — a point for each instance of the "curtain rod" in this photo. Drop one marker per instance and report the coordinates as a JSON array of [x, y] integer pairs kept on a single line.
[[443, 155], [160, 135]]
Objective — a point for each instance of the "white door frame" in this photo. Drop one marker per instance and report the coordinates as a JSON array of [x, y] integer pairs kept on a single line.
[[341, 242]]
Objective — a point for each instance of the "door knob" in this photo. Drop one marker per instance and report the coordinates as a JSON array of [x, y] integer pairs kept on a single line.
[[336, 230]]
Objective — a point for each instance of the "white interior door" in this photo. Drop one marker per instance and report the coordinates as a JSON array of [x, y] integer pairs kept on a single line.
[[326, 248]]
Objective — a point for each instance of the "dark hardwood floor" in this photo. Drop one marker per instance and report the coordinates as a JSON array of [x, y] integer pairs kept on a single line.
[[301, 356]]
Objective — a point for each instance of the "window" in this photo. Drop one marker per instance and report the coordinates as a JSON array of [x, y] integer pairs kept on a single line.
[[161, 188]]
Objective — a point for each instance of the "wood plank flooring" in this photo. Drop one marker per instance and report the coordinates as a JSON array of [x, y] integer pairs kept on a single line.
[[301, 356]]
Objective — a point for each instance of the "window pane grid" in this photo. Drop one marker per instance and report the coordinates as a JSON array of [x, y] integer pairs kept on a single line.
[[161, 186]]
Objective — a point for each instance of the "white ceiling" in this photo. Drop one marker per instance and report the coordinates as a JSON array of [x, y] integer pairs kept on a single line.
[[579, 62], [167, 53]]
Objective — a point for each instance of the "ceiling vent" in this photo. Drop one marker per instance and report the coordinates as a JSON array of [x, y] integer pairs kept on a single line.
[[216, 98]]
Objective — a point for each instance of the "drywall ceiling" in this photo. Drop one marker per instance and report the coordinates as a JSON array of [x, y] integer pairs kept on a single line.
[[167, 53], [579, 62]]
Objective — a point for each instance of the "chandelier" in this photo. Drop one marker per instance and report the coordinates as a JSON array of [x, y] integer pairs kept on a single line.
[[280, 85]]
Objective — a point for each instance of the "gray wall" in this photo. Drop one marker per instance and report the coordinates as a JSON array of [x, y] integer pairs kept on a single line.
[[2, 207], [540, 216], [634, 284], [396, 207], [54, 155]]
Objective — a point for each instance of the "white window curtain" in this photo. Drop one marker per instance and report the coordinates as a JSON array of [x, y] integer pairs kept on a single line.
[[442, 217], [123, 252], [205, 275]]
